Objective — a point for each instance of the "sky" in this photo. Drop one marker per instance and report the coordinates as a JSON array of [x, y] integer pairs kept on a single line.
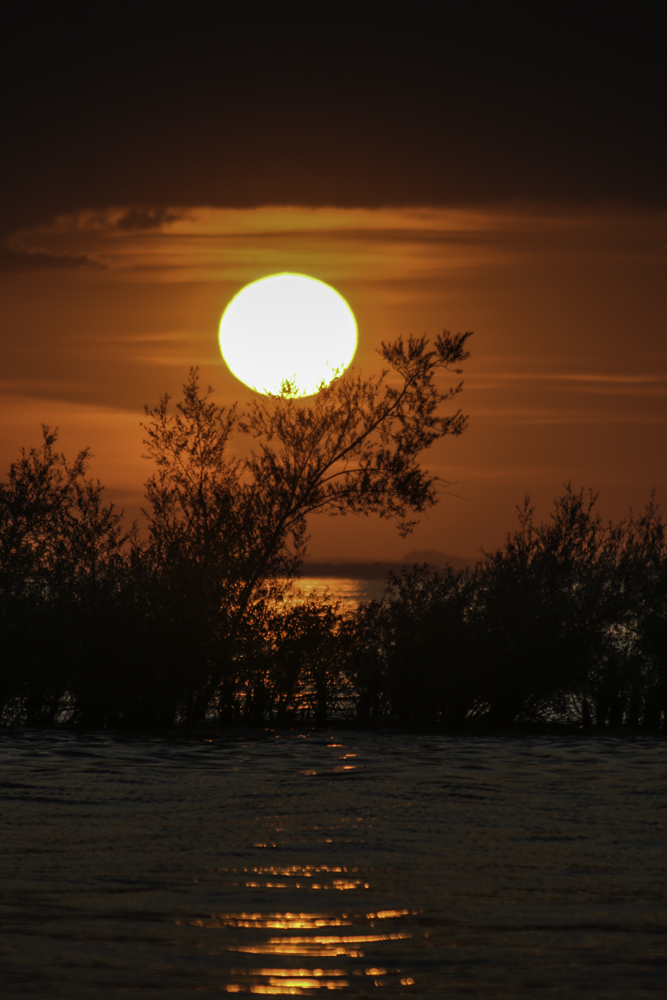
[[467, 171]]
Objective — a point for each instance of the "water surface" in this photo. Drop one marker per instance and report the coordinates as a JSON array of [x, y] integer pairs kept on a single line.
[[350, 592], [293, 864]]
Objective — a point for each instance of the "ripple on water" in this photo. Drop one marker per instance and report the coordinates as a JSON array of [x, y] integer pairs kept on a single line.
[[283, 864]]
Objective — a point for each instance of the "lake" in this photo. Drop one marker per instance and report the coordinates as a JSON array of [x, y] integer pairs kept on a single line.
[[298, 863], [350, 592]]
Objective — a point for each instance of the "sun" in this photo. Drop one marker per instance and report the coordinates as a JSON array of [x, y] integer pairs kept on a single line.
[[288, 328]]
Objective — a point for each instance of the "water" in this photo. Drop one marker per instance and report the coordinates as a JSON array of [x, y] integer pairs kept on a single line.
[[350, 592], [296, 864]]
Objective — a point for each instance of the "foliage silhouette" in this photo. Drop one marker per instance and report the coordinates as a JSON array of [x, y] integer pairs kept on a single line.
[[60, 558], [566, 622], [224, 530]]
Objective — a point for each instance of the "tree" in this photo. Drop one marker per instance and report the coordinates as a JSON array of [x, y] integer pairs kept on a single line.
[[222, 528], [544, 612], [292, 664], [60, 545], [416, 651], [642, 583]]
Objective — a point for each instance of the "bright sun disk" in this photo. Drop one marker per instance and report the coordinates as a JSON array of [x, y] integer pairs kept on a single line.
[[288, 327]]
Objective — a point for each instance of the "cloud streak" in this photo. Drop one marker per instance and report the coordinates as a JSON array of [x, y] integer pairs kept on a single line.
[[395, 246], [23, 261]]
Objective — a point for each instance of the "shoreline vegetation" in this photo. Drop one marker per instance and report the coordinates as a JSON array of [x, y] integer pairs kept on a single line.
[[562, 629]]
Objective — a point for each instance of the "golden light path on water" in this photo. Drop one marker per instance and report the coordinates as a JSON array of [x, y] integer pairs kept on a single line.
[[301, 980], [349, 591], [294, 981]]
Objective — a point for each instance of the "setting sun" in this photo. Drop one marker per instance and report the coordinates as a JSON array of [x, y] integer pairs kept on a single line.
[[288, 328]]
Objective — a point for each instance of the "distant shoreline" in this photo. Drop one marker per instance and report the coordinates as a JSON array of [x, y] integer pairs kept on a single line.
[[375, 570], [385, 727]]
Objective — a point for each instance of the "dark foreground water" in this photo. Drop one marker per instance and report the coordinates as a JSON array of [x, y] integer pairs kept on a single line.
[[375, 866]]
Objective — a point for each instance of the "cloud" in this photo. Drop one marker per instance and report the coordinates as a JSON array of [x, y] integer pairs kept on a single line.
[[583, 383], [19, 261], [134, 219], [398, 246], [431, 105], [525, 416]]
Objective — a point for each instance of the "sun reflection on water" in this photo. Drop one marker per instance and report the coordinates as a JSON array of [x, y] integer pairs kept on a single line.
[[275, 921], [301, 877], [246, 936], [350, 592]]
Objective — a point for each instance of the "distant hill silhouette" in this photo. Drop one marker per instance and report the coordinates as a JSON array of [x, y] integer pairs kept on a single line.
[[378, 570]]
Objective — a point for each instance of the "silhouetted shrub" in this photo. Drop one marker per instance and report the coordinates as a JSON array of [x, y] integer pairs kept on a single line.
[[565, 622], [413, 658]]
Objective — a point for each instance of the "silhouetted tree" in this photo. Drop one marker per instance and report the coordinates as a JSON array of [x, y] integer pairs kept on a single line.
[[221, 527], [60, 548], [415, 651], [367, 661], [568, 618], [642, 587], [543, 606]]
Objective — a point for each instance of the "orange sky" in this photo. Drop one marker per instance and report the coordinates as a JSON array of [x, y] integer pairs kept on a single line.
[[567, 379]]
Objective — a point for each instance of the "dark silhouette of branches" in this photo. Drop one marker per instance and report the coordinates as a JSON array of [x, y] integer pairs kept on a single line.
[[199, 622], [222, 529], [60, 555]]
